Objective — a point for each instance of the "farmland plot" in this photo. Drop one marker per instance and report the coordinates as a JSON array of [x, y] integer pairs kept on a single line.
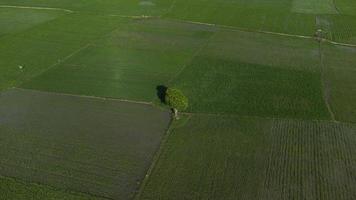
[[13, 20], [125, 49], [29, 53], [340, 28], [243, 68], [346, 7], [209, 157], [220, 157], [314, 6], [340, 65], [273, 15], [129, 62], [296, 17], [292, 16], [310, 160], [11, 189], [255, 75], [95, 146]]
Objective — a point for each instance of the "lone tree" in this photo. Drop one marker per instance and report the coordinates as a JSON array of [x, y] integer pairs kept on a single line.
[[176, 100]]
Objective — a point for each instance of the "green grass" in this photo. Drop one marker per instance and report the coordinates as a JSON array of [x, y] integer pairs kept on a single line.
[[11, 189], [101, 147], [220, 157]]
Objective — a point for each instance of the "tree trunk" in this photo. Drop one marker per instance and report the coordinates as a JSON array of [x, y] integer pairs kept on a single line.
[[175, 113]]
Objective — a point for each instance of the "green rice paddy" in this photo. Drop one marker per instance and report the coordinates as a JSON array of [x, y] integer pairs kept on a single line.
[[271, 108], [220, 157]]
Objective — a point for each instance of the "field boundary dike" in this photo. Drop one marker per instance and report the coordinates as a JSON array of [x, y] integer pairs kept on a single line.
[[183, 113], [235, 28], [325, 85], [155, 160], [37, 8], [86, 96]]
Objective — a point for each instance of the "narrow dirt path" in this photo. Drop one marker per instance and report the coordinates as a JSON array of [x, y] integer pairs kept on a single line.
[[325, 83], [36, 8], [87, 96]]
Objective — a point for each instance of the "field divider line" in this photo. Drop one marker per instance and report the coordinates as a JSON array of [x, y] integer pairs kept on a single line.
[[340, 43], [62, 60], [154, 161], [169, 10], [36, 8], [86, 96], [59, 61], [134, 16], [325, 84], [335, 7], [190, 60], [235, 28]]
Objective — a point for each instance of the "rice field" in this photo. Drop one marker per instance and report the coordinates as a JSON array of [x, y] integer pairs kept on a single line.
[[47, 44], [335, 29], [340, 74], [191, 57], [314, 7], [12, 21], [255, 90], [11, 189], [43, 141], [129, 62], [220, 157], [271, 109], [261, 78]]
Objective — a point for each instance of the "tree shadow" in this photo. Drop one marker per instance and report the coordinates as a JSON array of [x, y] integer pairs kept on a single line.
[[161, 92]]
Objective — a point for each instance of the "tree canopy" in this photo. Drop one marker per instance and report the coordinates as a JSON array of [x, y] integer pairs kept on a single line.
[[176, 99]]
